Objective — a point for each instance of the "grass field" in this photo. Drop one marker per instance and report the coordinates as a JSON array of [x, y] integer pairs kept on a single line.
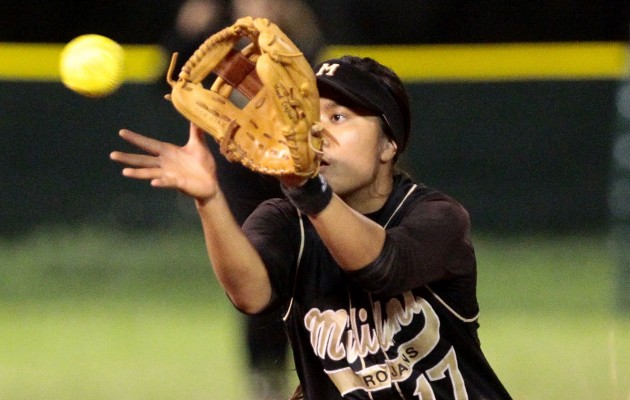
[[97, 314]]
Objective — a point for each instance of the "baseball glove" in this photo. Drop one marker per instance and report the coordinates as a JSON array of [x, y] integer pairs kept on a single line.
[[277, 132]]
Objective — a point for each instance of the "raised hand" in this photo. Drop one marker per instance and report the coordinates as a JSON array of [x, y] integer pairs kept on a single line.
[[190, 169]]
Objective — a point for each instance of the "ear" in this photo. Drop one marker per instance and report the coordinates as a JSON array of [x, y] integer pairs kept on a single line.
[[389, 150]]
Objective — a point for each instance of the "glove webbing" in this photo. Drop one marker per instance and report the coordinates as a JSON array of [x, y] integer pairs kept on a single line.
[[240, 73]]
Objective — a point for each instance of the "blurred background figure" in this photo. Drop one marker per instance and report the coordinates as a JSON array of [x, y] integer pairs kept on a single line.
[[294, 17], [264, 335], [196, 20]]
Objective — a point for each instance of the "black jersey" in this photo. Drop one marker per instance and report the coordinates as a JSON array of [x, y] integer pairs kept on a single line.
[[403, 327]]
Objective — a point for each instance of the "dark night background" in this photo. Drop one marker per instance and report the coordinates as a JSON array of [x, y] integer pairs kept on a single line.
[[345, 22], [520, 155]]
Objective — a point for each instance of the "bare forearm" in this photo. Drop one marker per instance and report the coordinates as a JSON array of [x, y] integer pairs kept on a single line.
[[237, 265], [352, 239]]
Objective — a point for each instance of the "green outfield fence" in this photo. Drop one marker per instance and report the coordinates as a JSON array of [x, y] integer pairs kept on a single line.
[[520, 133]]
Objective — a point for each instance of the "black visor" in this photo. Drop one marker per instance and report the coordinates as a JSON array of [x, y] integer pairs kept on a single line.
[[363, 90]]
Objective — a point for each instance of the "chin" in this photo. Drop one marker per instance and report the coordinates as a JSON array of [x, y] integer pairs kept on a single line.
[[329, 178]]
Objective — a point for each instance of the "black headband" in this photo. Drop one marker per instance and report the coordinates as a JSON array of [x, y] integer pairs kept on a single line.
[[364, 90]]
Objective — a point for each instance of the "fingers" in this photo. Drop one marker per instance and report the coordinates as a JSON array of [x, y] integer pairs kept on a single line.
[[149, 167], [139, 166], [142, 173], [145, 143], [135, 160], [144, 168]]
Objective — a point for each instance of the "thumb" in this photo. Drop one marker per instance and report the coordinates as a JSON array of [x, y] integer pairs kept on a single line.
[[196, 134]]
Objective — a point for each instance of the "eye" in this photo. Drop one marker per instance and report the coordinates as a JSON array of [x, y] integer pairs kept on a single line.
[[337, 117]]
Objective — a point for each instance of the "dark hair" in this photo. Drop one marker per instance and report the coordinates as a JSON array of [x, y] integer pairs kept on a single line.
[[395, 86]]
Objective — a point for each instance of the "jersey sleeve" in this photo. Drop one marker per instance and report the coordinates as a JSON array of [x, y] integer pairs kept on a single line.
[[430, 243], [273, 231]]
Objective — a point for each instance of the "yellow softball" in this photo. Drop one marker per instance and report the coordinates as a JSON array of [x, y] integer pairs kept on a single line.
[[92, 65]]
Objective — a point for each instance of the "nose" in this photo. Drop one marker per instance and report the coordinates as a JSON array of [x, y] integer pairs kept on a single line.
[[326, 137]]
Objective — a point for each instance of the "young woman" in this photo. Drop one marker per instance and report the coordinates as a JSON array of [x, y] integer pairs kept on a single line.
[[375, 274]]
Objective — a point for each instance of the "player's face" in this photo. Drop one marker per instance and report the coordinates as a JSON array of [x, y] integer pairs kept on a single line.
[[355, 152]]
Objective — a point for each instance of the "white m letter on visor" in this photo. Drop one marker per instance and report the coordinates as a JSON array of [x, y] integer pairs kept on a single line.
[[363, 90]]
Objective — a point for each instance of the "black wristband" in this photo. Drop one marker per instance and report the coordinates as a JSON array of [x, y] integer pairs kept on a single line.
[[310, 198]]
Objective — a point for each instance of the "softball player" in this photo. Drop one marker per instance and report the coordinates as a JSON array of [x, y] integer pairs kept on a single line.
[[375, 274]]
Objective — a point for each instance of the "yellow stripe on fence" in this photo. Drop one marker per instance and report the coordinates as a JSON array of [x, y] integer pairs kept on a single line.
[[599, 60], [521, 61], [40, 62]]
